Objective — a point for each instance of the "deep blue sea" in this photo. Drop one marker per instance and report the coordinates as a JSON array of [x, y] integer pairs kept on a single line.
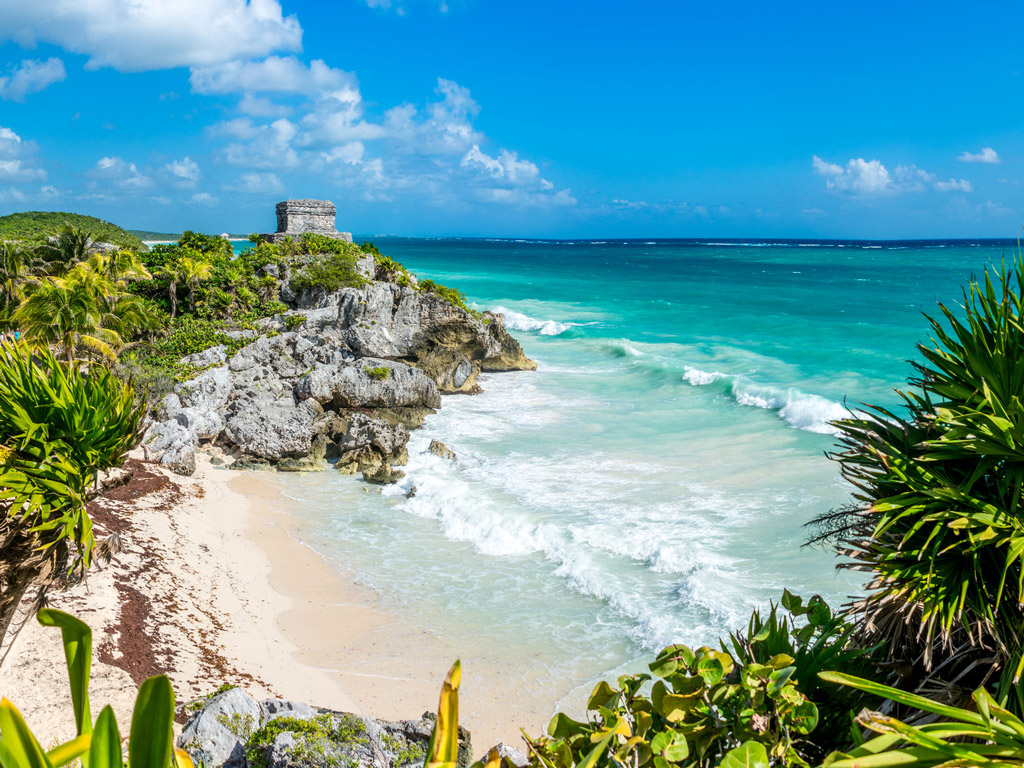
[[651, 481]]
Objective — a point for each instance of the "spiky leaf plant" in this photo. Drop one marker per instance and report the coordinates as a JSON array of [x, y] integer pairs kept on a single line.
[[938, 521], [60, 425]]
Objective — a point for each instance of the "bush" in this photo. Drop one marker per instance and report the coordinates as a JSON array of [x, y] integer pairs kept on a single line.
[[938, 492], [291, 322], [331, 272], [451, 295], [380, 373]]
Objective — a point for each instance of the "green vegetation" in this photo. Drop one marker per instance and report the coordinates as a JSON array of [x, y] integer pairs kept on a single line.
[[317, 742], [334, 269], [37, 225], [60, 426], [937, 518], [451, 295], [380, 372], [97, 745]]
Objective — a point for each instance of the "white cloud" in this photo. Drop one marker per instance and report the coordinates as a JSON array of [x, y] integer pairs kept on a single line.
[[987, 155], [259, 146], [506, 165], [860, 176], [203, 198], [869, 178], [31, 76], [259, 106], [185, 173], [259, 183], [277, 74], [16, 162], [120, 173], [141, 35], [954, 185]]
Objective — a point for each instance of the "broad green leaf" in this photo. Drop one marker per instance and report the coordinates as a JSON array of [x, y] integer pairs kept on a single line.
[[152, 737], [64, 753], [749, 754], [105, 751], [18, 739], [77, 639]]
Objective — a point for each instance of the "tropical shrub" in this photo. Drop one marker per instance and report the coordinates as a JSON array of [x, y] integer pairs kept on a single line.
[[331, 271], [451, 295], [60, 426], [986, 735], [817, 640], [937, 518], [97, 745]]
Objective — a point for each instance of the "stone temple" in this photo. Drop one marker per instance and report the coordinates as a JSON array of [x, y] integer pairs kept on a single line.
[[296, 217]]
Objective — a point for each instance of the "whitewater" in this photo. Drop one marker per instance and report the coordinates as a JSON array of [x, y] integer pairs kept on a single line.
[[650, 483]]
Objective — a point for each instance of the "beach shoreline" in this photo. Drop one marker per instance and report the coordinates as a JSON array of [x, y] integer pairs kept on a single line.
[[213, 585]]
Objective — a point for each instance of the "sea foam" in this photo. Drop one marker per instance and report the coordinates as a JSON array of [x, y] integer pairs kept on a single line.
[[517, 321], [812, 413]]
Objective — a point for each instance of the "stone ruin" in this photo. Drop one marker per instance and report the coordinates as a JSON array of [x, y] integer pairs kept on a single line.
[[296, 217]]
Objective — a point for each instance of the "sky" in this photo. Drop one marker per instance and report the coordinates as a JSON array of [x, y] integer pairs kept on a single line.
[[560, 118]]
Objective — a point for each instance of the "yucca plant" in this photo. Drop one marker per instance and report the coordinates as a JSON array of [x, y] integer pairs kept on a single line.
[[97, 745], [937, 519], [986, 735], [60, 425]]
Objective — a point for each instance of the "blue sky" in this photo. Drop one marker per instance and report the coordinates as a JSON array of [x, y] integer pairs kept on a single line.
[[467, 117]]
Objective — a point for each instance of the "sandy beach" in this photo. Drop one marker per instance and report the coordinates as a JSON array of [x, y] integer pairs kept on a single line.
[[211, 586]]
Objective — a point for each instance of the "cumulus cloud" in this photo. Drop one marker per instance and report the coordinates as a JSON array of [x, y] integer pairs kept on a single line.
[[16, 161], [433, 151], [277, 74], [31, 76], [141, 35], [259, 183], [184, 173], [860, 176], [203, 198], [987, 155], [120, 173], [954, 185], [869, 178]]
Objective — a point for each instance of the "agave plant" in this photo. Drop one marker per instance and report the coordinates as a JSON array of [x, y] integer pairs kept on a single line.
[[938, 519], [97, 745], [59, 427], [987, 735]]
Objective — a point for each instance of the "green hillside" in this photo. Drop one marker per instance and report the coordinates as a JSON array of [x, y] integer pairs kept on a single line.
[[145, 234], [32, 225]]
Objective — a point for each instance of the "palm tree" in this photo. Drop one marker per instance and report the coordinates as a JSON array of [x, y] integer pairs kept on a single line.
[[119, 266], [68, 314], [62, 252], [188, 270]]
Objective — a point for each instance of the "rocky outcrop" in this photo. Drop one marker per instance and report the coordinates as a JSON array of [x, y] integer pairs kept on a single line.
[[441, 450], [233, 730], [341, 376]]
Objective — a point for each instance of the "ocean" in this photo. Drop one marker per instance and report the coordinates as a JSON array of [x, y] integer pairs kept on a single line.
[[650, 483]]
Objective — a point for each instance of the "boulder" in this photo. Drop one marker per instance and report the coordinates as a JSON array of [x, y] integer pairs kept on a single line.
[[367, 432], [206, 425], [174, 445], [384, 474], [218, 733], [213, 356], [372, 383], [209, 391], [271, 709], [272, 429], [441, 450]]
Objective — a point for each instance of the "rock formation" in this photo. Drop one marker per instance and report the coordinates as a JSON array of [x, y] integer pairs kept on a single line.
[[233, 730], [296, 217], [362, 367]]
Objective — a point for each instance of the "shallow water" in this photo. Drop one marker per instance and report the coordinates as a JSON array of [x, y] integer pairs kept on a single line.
[[650, 482]]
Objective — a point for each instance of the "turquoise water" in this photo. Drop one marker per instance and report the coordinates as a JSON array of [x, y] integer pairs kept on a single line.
[[650, 482]]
